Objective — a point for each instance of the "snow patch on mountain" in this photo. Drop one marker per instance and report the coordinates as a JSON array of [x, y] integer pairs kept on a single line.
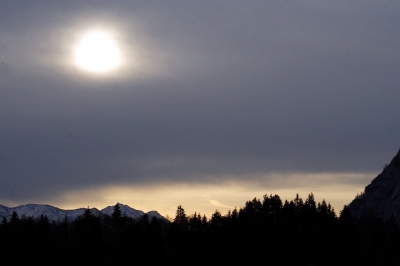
[[57, 215], [125, 210]]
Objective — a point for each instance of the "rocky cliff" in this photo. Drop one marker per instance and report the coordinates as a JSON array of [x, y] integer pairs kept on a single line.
[[382, 196]]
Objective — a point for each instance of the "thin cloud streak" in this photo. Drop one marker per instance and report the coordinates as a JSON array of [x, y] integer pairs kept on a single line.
[[205, 197], [221, 205]]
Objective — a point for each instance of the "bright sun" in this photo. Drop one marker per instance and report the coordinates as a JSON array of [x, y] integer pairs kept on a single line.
[[97, 52]]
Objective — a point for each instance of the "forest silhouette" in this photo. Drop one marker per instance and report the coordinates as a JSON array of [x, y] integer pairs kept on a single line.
[[263, 231]]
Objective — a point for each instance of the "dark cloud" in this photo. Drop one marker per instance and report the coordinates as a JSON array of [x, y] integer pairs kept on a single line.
[[210, 88]]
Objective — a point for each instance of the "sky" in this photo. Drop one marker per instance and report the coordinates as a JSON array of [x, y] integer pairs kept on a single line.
[[211, 104]]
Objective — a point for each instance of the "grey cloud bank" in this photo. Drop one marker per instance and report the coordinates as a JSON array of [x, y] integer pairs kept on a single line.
[[208, 89]]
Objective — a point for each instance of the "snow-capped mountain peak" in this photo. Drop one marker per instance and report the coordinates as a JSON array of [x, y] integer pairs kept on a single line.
[[57, 215], [125, 211]]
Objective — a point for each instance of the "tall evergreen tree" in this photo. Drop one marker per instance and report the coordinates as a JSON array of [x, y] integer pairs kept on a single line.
[[310, 205], [117, 213], [180, 217], [88, 215], [298, 203], [87, 237], [216, 219], [4, 222], [271, 208], [43, 230], [14, 219]]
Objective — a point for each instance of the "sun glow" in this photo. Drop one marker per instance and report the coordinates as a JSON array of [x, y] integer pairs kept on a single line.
[[97, 52]]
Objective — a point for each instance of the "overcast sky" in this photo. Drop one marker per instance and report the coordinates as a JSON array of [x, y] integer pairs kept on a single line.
[[213, 102]]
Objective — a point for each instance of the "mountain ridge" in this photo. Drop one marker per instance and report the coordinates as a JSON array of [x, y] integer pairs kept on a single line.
[[56, 214], [381, 197]]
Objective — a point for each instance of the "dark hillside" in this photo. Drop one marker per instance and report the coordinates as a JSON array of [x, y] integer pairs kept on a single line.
[[381, 198]]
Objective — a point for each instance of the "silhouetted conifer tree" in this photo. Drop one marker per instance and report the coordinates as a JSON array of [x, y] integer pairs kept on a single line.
[[4, 222], [298, 203], [87, 237], [117, 213], [14, 221], [181, 217], [43, 229]]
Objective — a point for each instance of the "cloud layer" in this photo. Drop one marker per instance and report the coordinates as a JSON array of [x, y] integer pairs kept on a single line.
[[208, 93]]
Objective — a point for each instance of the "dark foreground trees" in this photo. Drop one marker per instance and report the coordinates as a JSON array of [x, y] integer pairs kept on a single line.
[[264, 231]]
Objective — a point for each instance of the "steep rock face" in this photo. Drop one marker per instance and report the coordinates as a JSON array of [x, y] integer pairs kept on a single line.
[[382, 196]]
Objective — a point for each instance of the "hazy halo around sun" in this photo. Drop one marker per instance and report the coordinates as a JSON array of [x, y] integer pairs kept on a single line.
[[97, 52]]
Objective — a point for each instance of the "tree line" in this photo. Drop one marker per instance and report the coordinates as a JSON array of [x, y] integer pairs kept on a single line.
[[265, 231]]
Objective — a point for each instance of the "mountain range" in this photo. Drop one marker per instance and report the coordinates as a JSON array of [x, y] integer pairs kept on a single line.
[[381, 198], [57, 215]]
